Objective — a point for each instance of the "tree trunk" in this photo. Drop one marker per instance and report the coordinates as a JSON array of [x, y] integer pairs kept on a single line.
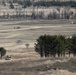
[[61, 54], [64, 54], [1, 56], [41, 54], [58, 54], [69, 53]]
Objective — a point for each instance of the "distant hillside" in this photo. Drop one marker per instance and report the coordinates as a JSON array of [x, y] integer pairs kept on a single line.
[[33, 0], [45, 3]]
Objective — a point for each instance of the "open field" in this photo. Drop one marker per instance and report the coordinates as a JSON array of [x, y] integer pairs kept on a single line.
[[30, 30], [15, 34]]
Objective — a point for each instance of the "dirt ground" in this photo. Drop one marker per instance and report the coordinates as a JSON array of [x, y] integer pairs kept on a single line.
[[15, 34]]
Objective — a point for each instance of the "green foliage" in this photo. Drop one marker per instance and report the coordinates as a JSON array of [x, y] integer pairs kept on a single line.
[[48, 3], [73, 44], [11, 5], [61, 45], [2, 52], [25, 3], [48, 45], [55, 3], [51, 45]]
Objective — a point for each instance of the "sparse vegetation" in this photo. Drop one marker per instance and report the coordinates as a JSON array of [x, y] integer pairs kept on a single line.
[[27, 61], [27, 45]]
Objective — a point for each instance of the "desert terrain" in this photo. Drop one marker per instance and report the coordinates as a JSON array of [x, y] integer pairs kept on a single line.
[[14, 34]]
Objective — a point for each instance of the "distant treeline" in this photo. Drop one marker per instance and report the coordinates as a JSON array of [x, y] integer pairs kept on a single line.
[[48, 3], [40, 15], [38, 12]]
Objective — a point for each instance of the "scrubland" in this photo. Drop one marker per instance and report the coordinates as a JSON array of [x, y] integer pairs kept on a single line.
[[15, 34]]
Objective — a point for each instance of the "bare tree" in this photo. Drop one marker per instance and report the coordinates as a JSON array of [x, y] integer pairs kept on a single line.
[[27, 45]]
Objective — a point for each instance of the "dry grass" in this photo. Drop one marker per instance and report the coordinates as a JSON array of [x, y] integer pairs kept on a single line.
[[27, 61], [39, 67]]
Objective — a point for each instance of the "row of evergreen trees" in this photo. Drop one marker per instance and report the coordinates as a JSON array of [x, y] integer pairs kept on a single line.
[[44, 3], [55, 3], [48, 3], [56, 45]]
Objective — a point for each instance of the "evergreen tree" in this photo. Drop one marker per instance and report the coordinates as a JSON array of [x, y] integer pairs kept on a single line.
[[73, 44], [2, 52], [11, 5]]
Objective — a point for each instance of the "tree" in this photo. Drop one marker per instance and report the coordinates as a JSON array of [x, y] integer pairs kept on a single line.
[[40, 15], [51, 45], [3, 2], [61, 45], [54, 15], [11, 5], [2, 52], [68, 41], [39, 47], [73, 44], [27, 45], [33, 16]]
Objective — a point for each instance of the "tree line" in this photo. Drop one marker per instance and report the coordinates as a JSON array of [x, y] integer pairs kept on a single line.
[[48, 3], [55, 3], [27, 3], [58, 13], [65, 14], [55, 45]]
